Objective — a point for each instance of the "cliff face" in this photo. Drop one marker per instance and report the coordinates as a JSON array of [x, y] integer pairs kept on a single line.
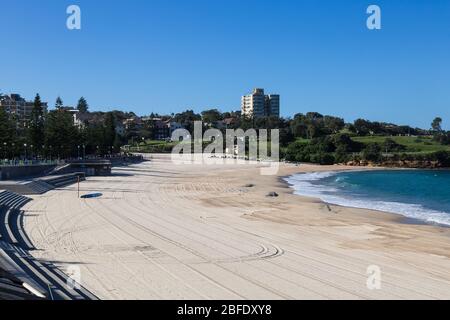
[[411, 164]]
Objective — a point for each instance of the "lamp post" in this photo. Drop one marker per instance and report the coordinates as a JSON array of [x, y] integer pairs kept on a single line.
[[78, 147], [25, 146], [84, 151], [4, 148]]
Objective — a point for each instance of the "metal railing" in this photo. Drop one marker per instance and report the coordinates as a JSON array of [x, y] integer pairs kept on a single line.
[[21, 163]]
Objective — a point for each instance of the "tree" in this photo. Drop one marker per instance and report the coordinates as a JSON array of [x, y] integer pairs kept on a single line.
[[341, 155], [286, 137], [93, 135], [59, 103], [211, 116], [7, 133], [362, 127], [298, 126], [436, 124], [344, 142], [323, 158], [443, 157], [82, 105], [389, 145], [333, 124], [372, 152], [61, 135], [313, 125], [314, 116], [109, 132], [311, 131], [36, 128], [187, 119]]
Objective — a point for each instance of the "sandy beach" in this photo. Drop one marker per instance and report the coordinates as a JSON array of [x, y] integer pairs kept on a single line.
[[165, 231]]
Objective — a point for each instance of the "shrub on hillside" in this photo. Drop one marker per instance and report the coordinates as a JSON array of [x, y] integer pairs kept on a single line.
[[389, 145], [372, 152], [341, 155], [443, 157], [322, 158]]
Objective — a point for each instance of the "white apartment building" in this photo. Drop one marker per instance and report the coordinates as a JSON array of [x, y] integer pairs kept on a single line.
[[259, 104]]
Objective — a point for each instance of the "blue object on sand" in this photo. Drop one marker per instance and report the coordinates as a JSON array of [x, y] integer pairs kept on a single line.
[[91, 195]]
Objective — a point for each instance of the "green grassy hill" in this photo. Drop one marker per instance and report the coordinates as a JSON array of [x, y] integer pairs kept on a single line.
[[423, 144]]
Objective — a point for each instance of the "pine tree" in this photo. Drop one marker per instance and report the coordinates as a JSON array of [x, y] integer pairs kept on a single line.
[[62, 136], [7, 134], [59, 103], [109, 132], [36, 128], [82, 105]]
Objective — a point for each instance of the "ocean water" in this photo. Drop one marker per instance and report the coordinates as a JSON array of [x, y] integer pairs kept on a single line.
[[417, 194]]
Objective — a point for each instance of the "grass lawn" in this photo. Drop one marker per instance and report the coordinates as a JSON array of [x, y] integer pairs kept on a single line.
[[412, 144], [158, 146], [153, 146], [302, 140]]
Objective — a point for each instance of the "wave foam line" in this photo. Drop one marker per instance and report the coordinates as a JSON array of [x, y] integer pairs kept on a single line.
[[301, 183]]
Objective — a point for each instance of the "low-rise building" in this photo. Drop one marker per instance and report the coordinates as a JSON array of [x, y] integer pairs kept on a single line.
[[19, 108], [132, 123], [165, 128]]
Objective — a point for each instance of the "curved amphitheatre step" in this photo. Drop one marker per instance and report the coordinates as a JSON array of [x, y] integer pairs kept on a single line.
[[21, 286], [11, 228], [12, 200], [53, 282], [45, 280]]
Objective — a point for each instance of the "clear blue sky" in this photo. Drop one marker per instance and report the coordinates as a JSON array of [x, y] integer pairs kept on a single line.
[[169, 55]]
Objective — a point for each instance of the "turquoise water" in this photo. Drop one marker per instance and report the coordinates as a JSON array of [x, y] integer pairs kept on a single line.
[[418, 194]]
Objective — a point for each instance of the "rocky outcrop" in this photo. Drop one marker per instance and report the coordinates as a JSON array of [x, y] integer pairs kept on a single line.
[[412, 164]]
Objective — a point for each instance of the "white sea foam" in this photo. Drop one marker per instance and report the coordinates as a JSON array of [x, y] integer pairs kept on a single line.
[[303, 184]]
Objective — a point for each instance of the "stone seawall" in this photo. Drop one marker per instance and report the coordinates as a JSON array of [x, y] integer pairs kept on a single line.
[[19, 172]]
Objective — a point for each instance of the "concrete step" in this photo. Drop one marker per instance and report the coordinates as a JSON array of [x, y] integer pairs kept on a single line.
[[13, 271], [11, 229], [64, 180], [12, 200], [48, 277], [8, 199], [5, 196], [40, 187]]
